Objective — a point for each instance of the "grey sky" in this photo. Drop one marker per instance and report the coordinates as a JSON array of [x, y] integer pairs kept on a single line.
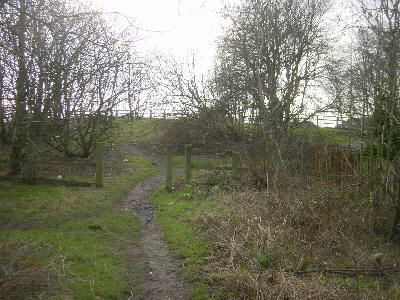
[[183, 27], [179, 27]]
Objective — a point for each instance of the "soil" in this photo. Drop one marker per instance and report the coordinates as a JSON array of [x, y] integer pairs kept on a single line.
[[162, 278]]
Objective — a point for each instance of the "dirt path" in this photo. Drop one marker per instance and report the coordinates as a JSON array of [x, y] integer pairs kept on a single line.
[[162, 280]]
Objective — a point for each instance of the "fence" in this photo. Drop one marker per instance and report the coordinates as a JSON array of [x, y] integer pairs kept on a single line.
[[189, 165], [357, 166], [337, 162], [148, 113], [336, 159], [31, 165]]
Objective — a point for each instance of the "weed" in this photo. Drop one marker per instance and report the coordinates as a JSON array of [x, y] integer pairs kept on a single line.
[[202, 292], [254, 240]]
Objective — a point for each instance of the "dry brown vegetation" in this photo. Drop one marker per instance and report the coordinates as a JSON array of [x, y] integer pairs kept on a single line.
[[262, 241]]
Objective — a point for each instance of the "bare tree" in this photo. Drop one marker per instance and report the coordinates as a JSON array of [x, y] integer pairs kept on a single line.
[[379, 59], [68, 69], [19, 134], [183, 88], [3, 134], [269, 56]]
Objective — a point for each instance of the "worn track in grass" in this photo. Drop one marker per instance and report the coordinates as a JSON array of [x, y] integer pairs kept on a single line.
[[162, 279]]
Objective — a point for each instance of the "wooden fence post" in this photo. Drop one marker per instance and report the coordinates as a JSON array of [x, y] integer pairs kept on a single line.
[[188, 163], [316, 162], [168, 179], [99, 165], [31, 172], [235, 162]]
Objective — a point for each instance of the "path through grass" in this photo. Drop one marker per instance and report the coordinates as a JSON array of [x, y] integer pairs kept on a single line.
[[69, 243]]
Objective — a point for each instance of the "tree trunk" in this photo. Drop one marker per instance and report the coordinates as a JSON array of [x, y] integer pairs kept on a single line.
[[3, 137], [395, 233], [19, 134]]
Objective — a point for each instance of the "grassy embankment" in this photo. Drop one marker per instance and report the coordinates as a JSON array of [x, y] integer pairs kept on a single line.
[[329, 136], [60, 242], [151, 133]]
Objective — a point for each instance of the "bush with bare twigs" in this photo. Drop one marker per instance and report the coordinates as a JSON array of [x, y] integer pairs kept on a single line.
[[296, 242]]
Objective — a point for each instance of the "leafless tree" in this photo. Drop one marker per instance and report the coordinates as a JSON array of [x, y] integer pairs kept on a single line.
[[269, 55], [377, 83], [63, 71], [384, 23], [183, 88]]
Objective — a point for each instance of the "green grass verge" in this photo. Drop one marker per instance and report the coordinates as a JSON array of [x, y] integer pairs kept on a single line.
[[175, 212], [330, 136], [68, 243]]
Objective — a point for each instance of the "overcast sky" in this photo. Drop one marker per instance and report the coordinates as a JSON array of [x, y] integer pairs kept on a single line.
[[183, 27], [179, 27]]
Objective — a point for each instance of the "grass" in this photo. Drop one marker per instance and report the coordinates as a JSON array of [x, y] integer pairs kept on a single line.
[[232, 241], [239, 243], [70, 243], [330, 136], [151, 132], [145, 132], [175, 211]]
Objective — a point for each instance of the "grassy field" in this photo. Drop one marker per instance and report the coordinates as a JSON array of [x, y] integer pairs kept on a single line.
[[151, 132], [60, 242], [300, 240]]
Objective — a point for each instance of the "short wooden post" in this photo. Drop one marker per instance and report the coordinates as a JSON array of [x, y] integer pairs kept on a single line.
[[188, 163], [151, 114], [168, 178], [360, 161], [316, 162], [164, 115], [99, 165], [30, 170], [235, 161]]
